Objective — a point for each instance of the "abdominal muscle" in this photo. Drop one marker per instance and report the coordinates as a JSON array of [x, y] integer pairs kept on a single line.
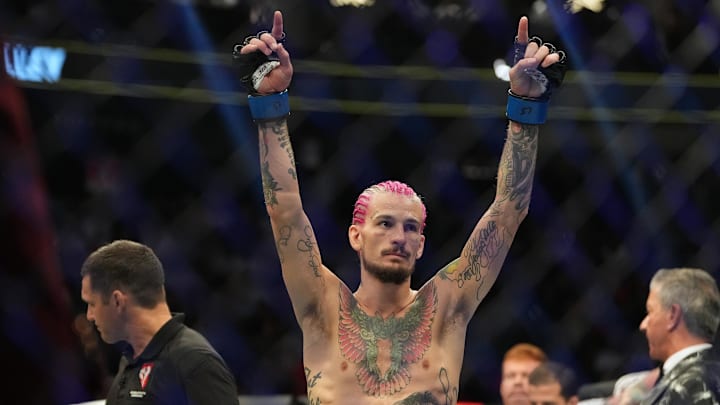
[[412, 357], [338, 381]]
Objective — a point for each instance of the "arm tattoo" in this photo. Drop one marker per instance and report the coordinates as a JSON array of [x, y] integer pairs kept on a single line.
[[520, 164], [282, 240], [270, 184], [306, 245], [284, 141], [484, 248]]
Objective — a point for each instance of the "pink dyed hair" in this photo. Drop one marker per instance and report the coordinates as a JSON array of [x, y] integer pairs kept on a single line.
[[389, 186]]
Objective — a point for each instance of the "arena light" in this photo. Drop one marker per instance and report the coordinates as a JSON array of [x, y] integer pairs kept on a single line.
[[353, 3], [575, 6], [33, 63], [501, 69]]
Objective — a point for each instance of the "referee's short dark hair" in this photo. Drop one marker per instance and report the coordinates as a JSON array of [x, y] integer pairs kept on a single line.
[[128, 266]]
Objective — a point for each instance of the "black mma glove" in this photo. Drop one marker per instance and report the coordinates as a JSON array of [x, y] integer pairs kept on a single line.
[[533, 111], [254, 66]]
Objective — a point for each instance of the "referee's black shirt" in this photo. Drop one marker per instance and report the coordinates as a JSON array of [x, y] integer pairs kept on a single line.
[[178, 367]]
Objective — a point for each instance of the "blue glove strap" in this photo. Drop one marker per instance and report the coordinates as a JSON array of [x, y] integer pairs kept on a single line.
[[526, 110], [269, 107]]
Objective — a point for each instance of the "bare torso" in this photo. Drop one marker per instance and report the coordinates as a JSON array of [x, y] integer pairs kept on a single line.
[[412, 357]]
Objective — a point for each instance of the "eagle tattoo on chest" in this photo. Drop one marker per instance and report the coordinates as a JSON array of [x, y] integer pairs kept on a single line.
[[384, 348]]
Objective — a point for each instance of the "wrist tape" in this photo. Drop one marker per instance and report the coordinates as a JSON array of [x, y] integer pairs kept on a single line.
[[269, 107], [526, 110]]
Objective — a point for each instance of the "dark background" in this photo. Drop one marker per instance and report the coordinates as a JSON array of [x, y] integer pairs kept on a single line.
[[147, 136]]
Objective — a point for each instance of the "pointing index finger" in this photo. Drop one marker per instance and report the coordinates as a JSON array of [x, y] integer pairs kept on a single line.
[[277, 29], [522, 32]]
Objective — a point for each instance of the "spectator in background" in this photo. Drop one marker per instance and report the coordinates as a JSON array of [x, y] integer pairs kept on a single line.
[[164, 362], [518, 362], [683, 314], [552, 383]]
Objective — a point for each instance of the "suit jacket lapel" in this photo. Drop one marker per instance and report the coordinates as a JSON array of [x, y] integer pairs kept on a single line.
[[664, 382]]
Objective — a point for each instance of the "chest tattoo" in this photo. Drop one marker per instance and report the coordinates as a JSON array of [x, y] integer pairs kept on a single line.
[[384, 348]]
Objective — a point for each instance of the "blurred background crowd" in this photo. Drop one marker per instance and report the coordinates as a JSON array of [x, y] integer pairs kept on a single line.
[[126, 120]]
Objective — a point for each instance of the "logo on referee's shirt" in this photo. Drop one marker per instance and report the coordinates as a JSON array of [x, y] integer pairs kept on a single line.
[[144, 374]]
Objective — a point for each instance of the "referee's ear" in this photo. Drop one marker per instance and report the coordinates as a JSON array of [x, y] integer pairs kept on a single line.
[[119, 300]]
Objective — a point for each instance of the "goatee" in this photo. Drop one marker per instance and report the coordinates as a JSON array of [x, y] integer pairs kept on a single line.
[[388, 275]]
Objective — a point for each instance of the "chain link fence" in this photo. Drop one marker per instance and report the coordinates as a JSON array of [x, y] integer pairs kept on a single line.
[[146, 136]]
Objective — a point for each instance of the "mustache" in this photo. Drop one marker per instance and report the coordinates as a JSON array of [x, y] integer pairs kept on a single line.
[[396, 251]]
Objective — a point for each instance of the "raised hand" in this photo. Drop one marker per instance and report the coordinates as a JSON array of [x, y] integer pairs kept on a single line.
[[525, 78], [269, 44]]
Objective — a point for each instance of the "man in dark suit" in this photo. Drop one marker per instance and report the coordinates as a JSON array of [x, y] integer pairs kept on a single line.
[[683, 313]]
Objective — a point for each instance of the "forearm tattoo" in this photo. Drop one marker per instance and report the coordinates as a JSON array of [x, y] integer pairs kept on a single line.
[[284, 141], [518, 166], [271, 186]]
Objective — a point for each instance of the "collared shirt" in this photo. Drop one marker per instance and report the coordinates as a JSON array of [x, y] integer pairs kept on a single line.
[[178, 367], [673, 360]]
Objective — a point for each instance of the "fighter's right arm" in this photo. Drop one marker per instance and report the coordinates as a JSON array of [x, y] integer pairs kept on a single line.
[[305, 276], [295, 240]]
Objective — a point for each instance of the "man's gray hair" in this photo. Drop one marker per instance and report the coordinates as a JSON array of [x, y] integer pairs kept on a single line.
[[695, 291]]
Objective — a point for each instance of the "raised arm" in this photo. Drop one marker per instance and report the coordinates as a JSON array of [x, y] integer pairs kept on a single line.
[[267, 71], [536, 70]]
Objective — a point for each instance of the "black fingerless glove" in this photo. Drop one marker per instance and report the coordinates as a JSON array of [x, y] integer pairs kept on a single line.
[[252, 67], [528, 110]]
